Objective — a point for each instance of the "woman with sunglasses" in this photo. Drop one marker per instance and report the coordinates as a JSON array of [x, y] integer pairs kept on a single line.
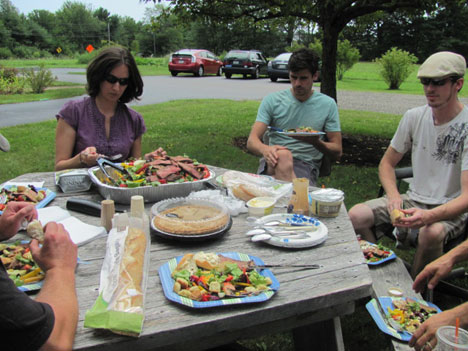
[[101, 123]]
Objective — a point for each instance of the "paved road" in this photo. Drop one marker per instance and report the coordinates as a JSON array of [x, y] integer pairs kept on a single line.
[[165, 88]]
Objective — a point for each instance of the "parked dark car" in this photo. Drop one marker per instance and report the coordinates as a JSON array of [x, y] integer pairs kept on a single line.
[[196, 61], [278, 67], [245, 62]]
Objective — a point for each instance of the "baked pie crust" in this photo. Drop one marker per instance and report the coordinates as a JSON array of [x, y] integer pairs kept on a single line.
[[191, 219]]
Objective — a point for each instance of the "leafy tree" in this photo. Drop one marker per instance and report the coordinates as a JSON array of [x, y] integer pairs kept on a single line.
[[331, 15], [346, 57], [396, 66]]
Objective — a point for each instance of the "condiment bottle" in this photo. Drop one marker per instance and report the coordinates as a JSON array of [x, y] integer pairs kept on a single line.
[[137, 212], [107, 213], [299, 202]]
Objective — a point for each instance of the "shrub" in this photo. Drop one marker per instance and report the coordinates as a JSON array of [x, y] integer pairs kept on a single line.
[[5, 53], [12, 86], [86, 57], [39, 80], [8, 73], [346, 57], [396, 66]]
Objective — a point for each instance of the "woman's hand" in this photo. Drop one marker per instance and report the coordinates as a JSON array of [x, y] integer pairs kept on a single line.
[[89, 156]]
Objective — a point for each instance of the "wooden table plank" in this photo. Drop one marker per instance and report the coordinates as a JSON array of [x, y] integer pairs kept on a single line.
[[305, 297]]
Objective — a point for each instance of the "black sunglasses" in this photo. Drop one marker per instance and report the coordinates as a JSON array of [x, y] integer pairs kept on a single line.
[[113, 79], [438, 82]]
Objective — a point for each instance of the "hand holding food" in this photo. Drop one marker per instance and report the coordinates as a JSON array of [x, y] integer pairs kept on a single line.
[[13, 216]]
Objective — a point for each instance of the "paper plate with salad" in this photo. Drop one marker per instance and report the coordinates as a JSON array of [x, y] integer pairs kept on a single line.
[[20, 266], [40, 197], [204, 280], [376, 253]]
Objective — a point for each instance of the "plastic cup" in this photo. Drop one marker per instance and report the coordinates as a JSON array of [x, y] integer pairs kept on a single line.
[[447, 341]]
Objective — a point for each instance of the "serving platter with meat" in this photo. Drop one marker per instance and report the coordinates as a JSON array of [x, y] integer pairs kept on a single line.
[[155, 179], [204, 280], [375, 253], [40, 197]]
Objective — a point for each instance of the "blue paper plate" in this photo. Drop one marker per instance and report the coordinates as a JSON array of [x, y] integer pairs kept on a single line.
[[50, 195], [392, 256], [385, 302], [168, 283]]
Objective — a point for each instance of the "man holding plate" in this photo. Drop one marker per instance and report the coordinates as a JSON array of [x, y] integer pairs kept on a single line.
[[286, 157]]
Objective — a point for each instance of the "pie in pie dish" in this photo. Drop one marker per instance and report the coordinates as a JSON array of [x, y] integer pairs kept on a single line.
[[191, 217]]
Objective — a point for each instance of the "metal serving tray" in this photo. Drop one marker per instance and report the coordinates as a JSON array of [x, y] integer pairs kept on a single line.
[[149, 193]]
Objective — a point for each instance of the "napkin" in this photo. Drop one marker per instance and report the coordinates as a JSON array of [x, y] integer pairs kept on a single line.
[[80, 232]]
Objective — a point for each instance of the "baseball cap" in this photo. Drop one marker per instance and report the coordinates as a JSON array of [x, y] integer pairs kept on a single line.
[[4, 144], [443, 64]]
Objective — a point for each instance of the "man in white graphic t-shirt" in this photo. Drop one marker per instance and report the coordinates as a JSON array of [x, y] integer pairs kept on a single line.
[[433, 210]]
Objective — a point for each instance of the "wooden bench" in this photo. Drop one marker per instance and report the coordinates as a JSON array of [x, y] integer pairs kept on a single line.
[[393, 274]]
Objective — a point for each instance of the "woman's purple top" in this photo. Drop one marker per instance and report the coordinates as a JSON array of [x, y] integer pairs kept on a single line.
[[88, 122]]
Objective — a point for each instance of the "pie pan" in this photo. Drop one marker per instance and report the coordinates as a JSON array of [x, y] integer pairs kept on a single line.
[[208, 218]]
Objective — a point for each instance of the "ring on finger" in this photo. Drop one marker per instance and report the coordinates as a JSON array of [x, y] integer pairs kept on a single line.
[[428, 344]]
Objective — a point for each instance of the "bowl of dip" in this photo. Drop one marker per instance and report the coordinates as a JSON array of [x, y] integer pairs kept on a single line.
[[261, 206]]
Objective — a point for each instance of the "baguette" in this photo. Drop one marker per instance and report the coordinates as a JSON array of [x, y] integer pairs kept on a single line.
[[247, 192], [187, 262], [129, 293]]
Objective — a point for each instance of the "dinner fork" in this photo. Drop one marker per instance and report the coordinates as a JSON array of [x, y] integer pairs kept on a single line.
[[388, 319]]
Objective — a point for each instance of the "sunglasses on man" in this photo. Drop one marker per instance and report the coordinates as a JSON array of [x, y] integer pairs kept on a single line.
[[113, 79], [438, 82]]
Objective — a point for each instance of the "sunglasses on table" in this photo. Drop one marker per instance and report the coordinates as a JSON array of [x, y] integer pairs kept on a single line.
[[113, 79], [438, 82]]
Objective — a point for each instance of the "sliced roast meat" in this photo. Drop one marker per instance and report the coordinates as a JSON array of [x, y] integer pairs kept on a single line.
[[190, 168], [166, 171], [182, 159]]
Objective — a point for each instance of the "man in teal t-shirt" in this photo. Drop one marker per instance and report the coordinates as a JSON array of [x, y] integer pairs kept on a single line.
[[287, 157]]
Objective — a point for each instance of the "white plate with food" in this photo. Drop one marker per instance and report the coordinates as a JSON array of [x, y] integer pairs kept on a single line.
[[263, 286], [289, 230]]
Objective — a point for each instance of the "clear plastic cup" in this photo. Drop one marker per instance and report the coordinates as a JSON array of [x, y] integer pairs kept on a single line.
[[447, 341]]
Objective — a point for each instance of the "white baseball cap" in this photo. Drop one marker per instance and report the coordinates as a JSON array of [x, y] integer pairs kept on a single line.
[[443, 64], [4, 144]]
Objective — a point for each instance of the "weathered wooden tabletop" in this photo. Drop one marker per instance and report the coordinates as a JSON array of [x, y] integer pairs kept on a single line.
[[308, 301]]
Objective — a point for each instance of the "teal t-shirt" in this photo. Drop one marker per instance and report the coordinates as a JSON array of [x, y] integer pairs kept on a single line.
[[282, 110]]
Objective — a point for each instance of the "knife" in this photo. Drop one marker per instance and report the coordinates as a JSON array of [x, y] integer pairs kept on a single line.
[[310, 266], [89, 207]]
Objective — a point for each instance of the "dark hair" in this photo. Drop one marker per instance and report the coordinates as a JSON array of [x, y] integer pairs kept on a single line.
[[104, 63], [304, 59]]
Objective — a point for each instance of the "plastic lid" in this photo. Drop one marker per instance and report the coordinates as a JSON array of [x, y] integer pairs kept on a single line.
[[327, 195]]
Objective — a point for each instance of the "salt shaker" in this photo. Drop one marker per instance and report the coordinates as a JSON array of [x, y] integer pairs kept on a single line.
[[107, 213]]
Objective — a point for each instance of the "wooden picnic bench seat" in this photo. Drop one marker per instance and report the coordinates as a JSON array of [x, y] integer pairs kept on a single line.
[[393, 274]]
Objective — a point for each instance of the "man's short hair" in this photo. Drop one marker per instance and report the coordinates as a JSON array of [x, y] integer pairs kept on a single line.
[[443, 64], [304, 59]]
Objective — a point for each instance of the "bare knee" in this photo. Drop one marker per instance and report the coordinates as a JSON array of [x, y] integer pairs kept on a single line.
[[284, 169], [431, 236], [361, 217]]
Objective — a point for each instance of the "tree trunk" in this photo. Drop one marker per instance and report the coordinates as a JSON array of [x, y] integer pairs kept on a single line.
[[329, 51]]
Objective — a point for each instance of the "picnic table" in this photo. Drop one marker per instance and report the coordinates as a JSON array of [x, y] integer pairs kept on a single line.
[[309, 301]]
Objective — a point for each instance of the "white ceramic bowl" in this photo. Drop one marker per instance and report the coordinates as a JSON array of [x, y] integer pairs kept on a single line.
[[261, 206]]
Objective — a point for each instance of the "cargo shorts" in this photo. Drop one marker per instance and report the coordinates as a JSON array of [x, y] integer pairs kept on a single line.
[[453, 227]]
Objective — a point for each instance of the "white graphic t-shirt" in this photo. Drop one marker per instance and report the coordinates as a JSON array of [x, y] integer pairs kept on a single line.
[[438, 154]]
